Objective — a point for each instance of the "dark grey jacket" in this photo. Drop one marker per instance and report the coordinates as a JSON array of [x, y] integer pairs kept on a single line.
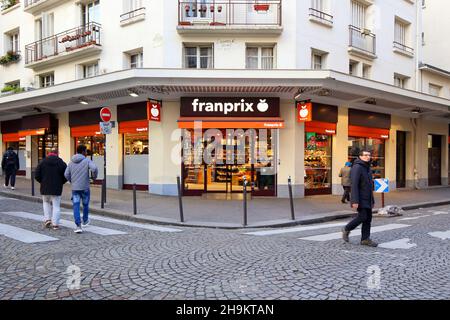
[[77, 172], [362, 184]]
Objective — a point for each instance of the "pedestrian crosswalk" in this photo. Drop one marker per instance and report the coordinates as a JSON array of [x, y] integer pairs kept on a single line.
[[27, 236]]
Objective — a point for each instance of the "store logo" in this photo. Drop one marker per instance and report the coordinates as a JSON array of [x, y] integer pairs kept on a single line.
[[304, 111], [229, 107]]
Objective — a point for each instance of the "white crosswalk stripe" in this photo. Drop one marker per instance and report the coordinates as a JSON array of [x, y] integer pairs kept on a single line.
[[443, 235], [338, 235], [23, 235], [295, 229], [404, 243], [129, 223], [414, 218], [68, 224]]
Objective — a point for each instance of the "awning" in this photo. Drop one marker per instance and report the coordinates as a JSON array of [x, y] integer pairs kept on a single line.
[[11, 137], [85, 131], [365, 132], [138, 126], [33, 132], [231, 123], [320, 127]]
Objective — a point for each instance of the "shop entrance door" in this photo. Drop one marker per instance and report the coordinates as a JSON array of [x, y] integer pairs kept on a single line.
[[434, 160], [41, 146], [401, 159]]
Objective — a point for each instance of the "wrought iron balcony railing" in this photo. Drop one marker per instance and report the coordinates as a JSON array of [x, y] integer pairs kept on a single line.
[[67, 41], [321, 15], [402, 47], [362, 39]]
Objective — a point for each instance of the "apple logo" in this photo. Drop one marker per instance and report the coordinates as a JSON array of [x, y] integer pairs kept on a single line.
[[304, 111], [262, 105], [154, 111]]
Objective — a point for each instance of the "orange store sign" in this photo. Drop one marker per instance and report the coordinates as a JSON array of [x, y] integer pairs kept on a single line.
[[304, 111]]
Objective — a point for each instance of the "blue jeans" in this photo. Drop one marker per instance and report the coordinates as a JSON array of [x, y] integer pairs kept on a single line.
[[79, 196]]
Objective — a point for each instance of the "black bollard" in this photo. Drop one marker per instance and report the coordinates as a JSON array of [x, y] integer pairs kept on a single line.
[[134, 200], [32, 183], [180, 200], [245, 201], [103, 193], [291, 198]]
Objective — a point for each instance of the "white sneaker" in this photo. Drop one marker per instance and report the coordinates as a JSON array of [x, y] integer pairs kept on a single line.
[[78, 230], [84, 224], [12, 188], [5, 186]]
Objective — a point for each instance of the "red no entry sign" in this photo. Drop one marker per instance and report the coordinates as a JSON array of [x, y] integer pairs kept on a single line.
[[105, 114]]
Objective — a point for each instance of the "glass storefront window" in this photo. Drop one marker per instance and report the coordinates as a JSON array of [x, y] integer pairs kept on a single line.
[[45, 144], [318, 158], [94, 144], [135, 143], [376, 146]]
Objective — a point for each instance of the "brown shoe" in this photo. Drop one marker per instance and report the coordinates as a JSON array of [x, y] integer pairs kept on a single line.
[[369, 243], [345, 235]]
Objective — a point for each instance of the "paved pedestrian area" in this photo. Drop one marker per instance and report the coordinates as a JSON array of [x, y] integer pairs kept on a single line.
[[117, 259]]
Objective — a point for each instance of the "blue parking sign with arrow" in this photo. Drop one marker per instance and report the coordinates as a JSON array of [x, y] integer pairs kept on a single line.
[[381, 185]]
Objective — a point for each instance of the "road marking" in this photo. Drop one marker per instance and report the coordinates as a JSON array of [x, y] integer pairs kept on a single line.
[[404, 243], [443, 235], [295, 229], [414, 218], [67, 223], [338, 235], [23, 235], [435, 213], [129, 223]]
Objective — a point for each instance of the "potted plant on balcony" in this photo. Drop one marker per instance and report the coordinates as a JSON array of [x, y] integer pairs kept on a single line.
[[6, 4], [261, 7], [9, 57]]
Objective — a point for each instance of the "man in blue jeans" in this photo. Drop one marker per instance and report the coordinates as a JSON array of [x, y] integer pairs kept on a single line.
[[77, 173]]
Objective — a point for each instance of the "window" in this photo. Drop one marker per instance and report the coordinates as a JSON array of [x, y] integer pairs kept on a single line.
[[377, 148], [318, 5], [14, 42], [137, 60], [259, 57], [423, 38], [358, 14], [198, 57], [353, 68], [90, 70], [366, 71], [318, 59], [434, 89], [400, 32], [136, 144], [131, 5], [91, 12], [400, 81], [47, 80]]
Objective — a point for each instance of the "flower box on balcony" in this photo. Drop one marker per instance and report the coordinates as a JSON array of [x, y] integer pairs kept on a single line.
[[261, 7], [10, 57]]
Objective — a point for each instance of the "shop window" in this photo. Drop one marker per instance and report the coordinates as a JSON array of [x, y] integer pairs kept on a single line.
[[375, 146], [94, 145], [135, 144], [317, 163]]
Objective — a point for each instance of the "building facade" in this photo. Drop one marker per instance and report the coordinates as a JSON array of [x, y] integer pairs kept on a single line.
[[219, 92]]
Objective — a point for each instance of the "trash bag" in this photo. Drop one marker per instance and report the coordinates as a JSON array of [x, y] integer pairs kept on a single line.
[[391, 211]]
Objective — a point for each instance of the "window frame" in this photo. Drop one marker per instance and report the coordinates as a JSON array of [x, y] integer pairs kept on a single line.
[[198, 55], [43, 80], [139, 61], [260, 56]]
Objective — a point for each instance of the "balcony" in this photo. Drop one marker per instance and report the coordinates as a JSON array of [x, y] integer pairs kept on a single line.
[[78, 42], [37, 6], [362, 43], [320, 17], [132, 16], [210, 16], [8, 5], [402, 49]]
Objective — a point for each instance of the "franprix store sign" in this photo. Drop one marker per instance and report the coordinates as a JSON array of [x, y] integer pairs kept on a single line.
[[229, 107]]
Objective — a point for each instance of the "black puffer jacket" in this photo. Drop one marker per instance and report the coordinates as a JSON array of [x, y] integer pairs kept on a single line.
[[362, 184], [10, 162], [50, 174]]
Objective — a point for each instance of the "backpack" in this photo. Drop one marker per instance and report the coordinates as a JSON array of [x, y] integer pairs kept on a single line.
[[10, 159]]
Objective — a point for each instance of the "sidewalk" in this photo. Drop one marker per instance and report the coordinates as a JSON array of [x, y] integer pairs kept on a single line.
[[215, 211]]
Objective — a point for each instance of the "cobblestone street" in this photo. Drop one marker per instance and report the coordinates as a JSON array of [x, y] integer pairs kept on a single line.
[[122, 260]]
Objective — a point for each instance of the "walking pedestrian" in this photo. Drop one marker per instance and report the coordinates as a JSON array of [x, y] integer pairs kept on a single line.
[[50, 174], [361, 198], [77, 173], [10, 165], [346, 181]]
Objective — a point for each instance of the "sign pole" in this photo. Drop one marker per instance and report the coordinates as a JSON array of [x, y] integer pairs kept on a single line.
[[382, 199]]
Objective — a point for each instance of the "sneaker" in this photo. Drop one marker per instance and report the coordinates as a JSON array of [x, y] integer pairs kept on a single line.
[[84, 224], [55, 227], [12, 188], [369, 243], [5, 186], [78, 230], [48, 223], [345, 235]]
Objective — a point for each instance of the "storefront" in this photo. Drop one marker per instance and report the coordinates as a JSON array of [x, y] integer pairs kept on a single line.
[[11, 138], [319, 132], [133, 126], [369, 130], [227, 141], [434, 159], [85, 130], [43, 130]]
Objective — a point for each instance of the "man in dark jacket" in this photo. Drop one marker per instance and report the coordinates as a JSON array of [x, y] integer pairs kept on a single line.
[[50, 174], [10, 165], [362, 198]]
